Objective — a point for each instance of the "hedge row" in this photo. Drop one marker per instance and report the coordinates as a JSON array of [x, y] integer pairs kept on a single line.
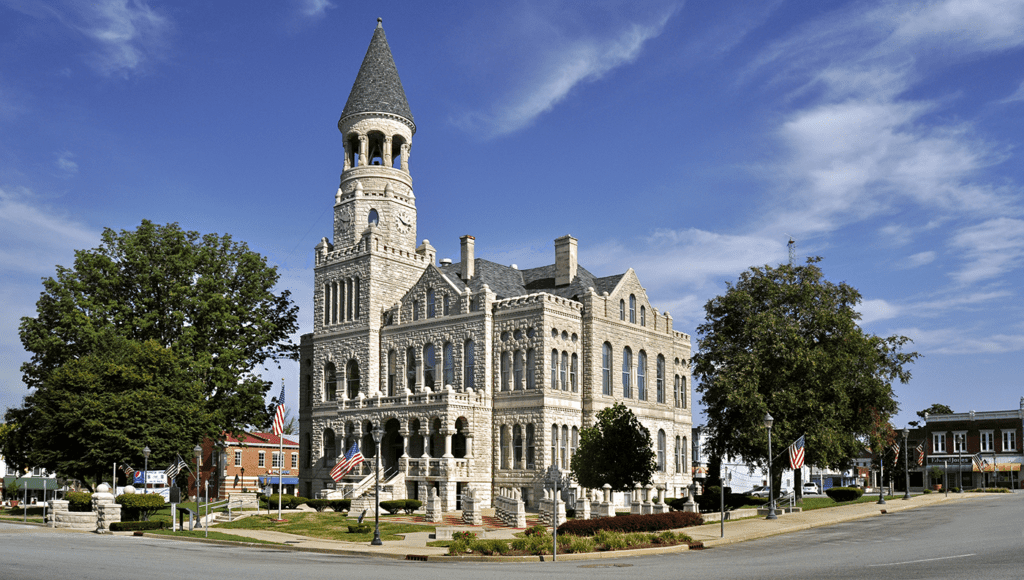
[[136, 506], [79, 501], [632, 523], [136, 526], [840, 494], [399, 505], [287, 501], [338, 505]]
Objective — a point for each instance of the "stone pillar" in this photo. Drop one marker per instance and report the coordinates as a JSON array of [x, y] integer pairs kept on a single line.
[[105, 509], [405, 157], [405, 442], [58, 507], [447, 443], [583, 506], [635, 503], [433, 509], [348, 157], [426, 445], [648, 505], [469, 445], [364, 158], [387, 151]]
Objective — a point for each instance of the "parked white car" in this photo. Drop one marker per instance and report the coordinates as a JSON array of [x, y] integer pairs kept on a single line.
[[811, 488]]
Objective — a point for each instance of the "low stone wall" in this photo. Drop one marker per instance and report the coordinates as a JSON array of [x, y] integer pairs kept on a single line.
[[104, 512], [509, 508]]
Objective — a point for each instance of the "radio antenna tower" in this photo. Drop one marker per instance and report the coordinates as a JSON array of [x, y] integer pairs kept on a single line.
[[792, 250]]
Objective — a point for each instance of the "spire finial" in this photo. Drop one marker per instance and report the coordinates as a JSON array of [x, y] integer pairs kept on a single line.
[[380, 22]]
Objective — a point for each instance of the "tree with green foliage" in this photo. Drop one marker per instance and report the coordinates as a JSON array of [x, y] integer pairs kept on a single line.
[[785, 341], [935, 409], [617, 450], [155, 339]]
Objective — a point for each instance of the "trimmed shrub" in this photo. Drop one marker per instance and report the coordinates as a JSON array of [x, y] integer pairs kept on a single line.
[[578, 545], [632, 523], [490, 547], [393, 506], [139, 506], [927, 491], [360, 529], [989, 490], [136, 526], [468, 536], [412, 505], [841, 494], [537, 545], [340, 505], [537, 530], [954, 489], [79, 501], [318, 504], [287, 501]]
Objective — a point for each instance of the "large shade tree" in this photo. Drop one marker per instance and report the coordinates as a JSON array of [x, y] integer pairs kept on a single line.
[[157, 312], [617, 450], [785, 341]]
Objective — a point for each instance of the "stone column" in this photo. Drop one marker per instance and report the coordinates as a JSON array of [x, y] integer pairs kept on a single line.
[[405, 157], [469, 445], [348, 157], [405, 442], [447, 443], [58, 507], [387, 151], [363, 152], [101, 501]]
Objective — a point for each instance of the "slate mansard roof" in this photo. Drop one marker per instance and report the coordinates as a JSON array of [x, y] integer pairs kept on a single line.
[[377, 88], [507, 282]]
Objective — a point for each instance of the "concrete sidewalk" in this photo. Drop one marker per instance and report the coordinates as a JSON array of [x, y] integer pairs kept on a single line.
[[414, 545]]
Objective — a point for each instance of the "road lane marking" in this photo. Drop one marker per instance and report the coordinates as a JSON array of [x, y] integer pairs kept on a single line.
[[919, 561]]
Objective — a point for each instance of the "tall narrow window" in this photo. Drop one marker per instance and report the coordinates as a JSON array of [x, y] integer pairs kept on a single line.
[[506, 371], [429, 363], [330, 382], [415, 309], [1009, 441], [641, 376], [447, 304], [392, 372], [682, 456], [676, 391], [352, 379], [327, 303], [661, 450], [661, 379], [643, 316], [517, 369], [679, 453], [632, 309], [563, 371], [531, 365], [468, 379], [627, 372], [355, 300], [554, 369], [622, 309], [410, 368], [574, 443], [517, 446], [683, 391], [606, 369], [349, 298], [238, 458], [431, 311], [449, 364], [530, 452], [574, 370], [554, 445], [562, 447], [262, 459], [503, 446]]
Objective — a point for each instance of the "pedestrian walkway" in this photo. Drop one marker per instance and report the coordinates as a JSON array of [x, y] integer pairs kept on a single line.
[[414, 545]]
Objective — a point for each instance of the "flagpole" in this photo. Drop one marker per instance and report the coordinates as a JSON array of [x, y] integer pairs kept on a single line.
[[280, 469]]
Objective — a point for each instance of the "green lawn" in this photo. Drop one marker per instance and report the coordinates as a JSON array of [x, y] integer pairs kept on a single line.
[[327, 525], [213, 536], [814, 503]]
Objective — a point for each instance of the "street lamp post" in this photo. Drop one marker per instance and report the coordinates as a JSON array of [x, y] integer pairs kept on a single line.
[[906, 468], [145, 468], [959, 439], [768, 422], [377, 433], [198, 451]]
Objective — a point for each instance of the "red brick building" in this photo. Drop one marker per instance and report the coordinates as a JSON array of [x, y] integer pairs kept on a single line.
[[250, 462]]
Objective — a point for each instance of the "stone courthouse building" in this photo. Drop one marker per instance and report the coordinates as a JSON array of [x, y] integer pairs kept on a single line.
[[481, 375]]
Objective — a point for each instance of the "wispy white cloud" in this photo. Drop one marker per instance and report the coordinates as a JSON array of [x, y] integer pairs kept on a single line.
[[66, 164], [991, 249], [954, 341], [877, 309], [34, 238], [920, 259], [314, 8], [1016, 97], [564, 66]]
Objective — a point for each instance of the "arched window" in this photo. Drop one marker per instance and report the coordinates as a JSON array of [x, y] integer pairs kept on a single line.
[[643, 316], [330, 450], [563, 371], [352, 379], [554, 445], [447, 304], [355, 300], [606, 369], [676, 391], [327, 303], [632, 308], [683, 391], [682, 453], [330, 382], [530, 451], [574, 369], [627, 372], [563, 447], [641, 375], [392, 372], [622, 309], [517, 446], [554, 369], [661, 450], [506, 371], [307, 449], [429, 363], [518, 362], [531, 365], [574, 443], [468, 372], [449, 364], [410, 368], [415, 309], [661, 379], [373, 218], [679, 452], [503, 446], [431, 308]]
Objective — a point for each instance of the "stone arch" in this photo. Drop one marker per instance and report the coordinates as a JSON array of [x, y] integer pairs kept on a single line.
[[459, 439], [330, 448], [392, 444]]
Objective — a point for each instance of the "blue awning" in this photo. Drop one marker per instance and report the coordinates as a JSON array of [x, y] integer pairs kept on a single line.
[[273, 479]]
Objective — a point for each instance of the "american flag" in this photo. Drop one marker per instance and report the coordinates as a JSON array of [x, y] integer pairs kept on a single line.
[[347, 463], [895, 453], [979, 463], [175, 468], [796, 454], [278, 427], [920, 453], [128, 471]]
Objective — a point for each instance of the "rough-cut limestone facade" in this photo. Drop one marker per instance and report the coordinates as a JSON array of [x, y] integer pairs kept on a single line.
[[373, 287]]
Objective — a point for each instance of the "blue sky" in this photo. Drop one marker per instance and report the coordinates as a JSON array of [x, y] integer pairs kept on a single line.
[[685, 140]]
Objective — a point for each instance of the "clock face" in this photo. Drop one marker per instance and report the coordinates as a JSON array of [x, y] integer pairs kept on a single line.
[[345, 214], [404, 221]]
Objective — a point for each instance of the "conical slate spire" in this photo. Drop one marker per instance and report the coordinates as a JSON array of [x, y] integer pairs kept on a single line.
[[377, 88]]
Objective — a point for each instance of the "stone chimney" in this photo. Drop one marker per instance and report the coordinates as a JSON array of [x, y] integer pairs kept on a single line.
[[468, 257], [565, 260]]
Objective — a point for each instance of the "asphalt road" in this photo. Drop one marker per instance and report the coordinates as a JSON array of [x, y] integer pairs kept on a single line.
[[978, 539]]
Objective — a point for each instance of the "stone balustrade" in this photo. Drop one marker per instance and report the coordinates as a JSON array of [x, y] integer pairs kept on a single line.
[[509, 508]]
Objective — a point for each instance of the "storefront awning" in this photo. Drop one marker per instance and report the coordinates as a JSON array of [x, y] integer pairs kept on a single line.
[[32, 483], [989, 468]]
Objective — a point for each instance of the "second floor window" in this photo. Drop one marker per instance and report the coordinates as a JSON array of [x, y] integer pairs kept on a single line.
[[263, 459], [938, 442], [986, 441], [238, 458], [1009, 441]]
